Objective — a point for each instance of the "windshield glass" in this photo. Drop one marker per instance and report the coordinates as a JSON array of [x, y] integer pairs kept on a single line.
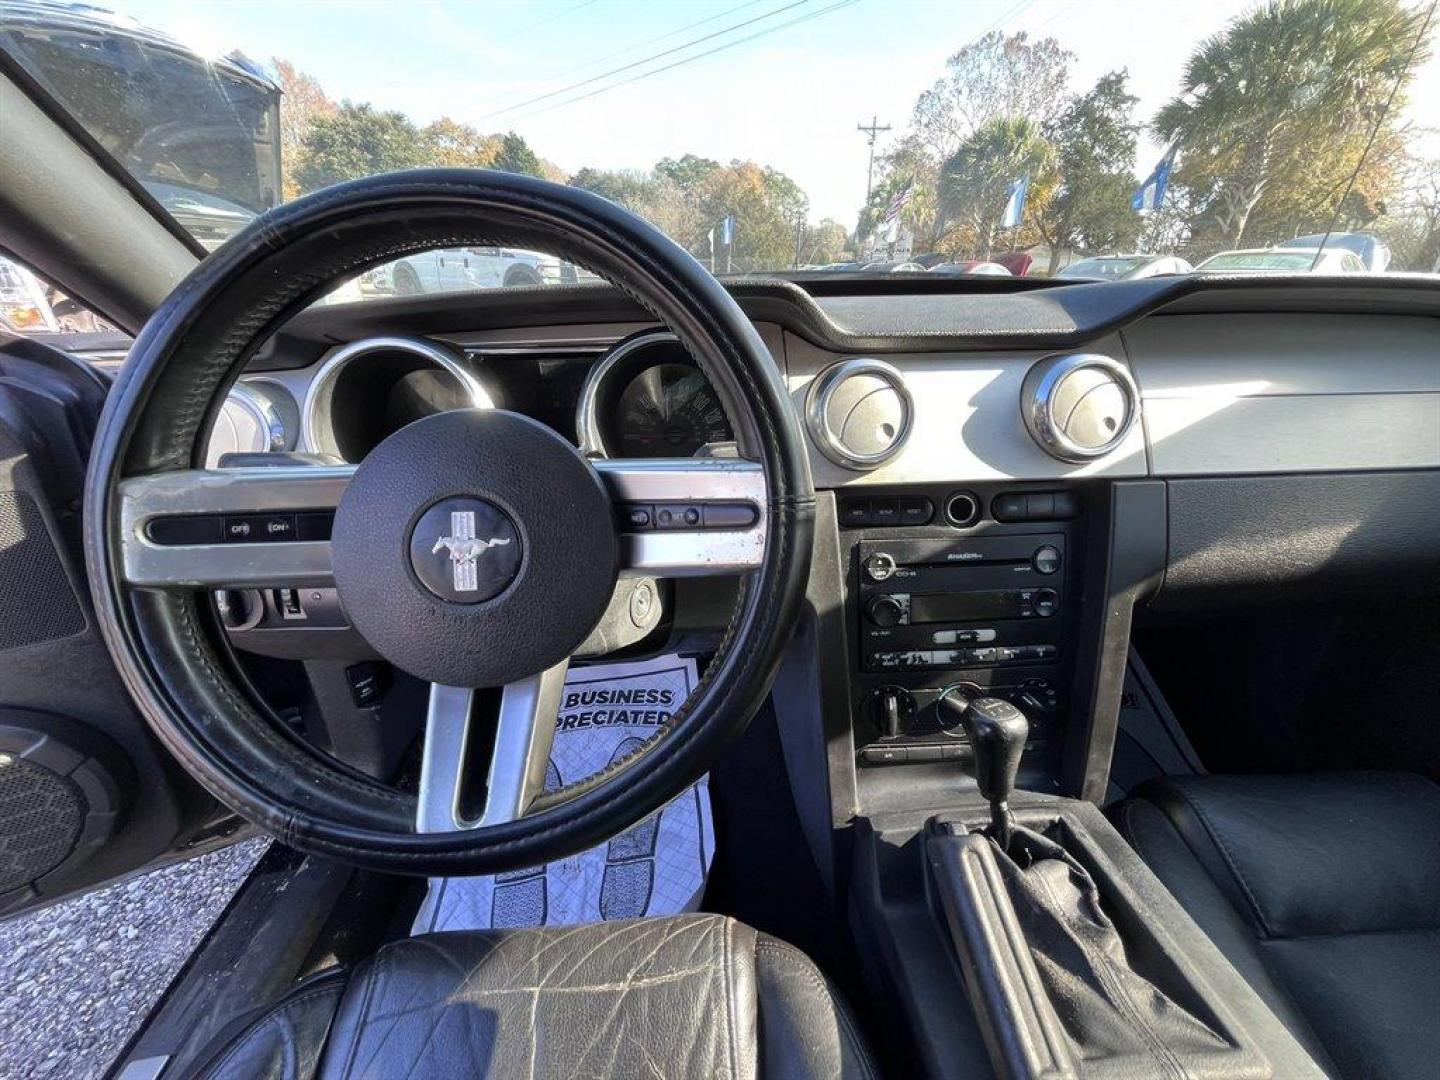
[[835, 137]]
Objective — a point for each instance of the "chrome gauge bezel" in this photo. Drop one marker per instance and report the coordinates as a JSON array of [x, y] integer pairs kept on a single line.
[[316, 422], [589, 427]]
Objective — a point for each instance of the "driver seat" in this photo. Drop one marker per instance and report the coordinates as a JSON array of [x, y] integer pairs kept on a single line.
[[688, 996]]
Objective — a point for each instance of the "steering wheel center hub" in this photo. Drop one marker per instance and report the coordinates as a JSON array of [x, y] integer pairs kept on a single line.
[[465, 549], [475, 548]]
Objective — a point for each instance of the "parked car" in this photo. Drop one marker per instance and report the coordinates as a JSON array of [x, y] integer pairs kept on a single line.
[[1373, 251], [1283, 261], [1125, 267], [1018, 263], [882, 267], [459, 269], [973, 267], [24, 308]]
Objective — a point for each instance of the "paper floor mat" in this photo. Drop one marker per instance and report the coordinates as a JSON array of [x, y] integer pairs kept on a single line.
[[656, 868]]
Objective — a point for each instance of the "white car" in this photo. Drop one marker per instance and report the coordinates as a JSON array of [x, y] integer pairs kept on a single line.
[[444, 270], [1125, 267], [1283, 261]]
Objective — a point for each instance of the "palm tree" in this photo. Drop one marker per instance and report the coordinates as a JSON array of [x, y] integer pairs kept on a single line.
[[1272, 91], [975, 181]]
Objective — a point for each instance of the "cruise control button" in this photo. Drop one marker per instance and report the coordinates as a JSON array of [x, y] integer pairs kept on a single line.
[[637, 517], [729, 516], [186, 529], [276, 527]]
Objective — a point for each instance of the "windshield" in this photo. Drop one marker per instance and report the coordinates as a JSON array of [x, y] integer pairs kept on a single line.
[[827, 137]]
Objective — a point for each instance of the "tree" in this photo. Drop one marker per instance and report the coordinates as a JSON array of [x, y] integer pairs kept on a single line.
[[656, 198], [824, 243], [451, 143], [357, 141], [1094, 140], [688, 172], [302, 102], [759, 202], [1274, 97], [997, 76], [515, 156], [976, 179]]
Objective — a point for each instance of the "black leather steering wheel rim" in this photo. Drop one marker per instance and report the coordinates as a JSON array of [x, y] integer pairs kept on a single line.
[[163, 641]]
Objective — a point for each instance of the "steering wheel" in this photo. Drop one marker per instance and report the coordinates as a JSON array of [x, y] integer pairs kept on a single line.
[[471, 548]]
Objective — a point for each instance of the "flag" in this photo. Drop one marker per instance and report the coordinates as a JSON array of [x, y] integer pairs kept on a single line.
[[1015, 203], [1151, 193], [890, 224], [710, 241], [727, 230]]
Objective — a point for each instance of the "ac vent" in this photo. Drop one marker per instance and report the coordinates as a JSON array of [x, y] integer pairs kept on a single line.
[[859, 413], [1079, 407]]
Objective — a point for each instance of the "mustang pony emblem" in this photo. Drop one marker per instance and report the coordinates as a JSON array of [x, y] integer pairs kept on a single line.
[[464, 549]]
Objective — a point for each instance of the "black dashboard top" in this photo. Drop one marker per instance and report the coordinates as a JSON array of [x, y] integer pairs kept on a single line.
[[875, 315]]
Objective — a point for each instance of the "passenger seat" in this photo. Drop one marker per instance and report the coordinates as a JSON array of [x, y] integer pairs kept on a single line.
[[1324, 892]]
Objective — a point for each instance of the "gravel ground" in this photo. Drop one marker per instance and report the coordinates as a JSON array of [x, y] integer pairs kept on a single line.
[[78, 978]]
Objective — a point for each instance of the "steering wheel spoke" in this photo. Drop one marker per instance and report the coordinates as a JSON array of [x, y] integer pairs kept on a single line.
[[687, 517], [524, 732], [230, 528]]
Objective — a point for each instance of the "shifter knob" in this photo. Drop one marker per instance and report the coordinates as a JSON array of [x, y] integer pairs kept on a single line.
[[997, 731]]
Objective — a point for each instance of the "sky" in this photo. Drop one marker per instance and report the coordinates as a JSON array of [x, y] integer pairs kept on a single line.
[[787, 89]]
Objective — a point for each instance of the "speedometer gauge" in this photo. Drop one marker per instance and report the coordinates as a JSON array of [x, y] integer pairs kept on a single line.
[[669, 410]]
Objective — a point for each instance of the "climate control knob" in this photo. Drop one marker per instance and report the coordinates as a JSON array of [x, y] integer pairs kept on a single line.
[[885, 611]]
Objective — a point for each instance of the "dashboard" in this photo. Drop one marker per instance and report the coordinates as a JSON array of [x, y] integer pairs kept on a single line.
[[640, 396], [1004, 476]]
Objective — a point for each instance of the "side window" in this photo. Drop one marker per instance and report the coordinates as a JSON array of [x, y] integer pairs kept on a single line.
[[32, 307]]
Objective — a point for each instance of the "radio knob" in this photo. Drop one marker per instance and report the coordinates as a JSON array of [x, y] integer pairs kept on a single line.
[[1047, 602], [1046, 559], [884, 611], [880, 566]]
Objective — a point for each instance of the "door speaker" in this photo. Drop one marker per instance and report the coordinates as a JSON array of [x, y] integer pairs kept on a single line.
[[60, 799], [36, 601]]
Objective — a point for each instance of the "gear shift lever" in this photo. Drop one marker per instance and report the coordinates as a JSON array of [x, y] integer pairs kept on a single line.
[[997, 731]]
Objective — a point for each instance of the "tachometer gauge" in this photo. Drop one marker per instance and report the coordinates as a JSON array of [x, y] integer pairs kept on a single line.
[[669, 410]]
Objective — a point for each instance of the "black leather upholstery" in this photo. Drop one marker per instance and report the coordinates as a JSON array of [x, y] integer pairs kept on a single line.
[[1323, 891], [690, 996]]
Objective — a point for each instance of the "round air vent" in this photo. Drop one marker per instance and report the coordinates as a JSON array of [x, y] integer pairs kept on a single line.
[[859, 413], [1079, 407]]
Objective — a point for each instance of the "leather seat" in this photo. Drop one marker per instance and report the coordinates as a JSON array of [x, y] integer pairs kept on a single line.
[[688, 996], [1324, 892]]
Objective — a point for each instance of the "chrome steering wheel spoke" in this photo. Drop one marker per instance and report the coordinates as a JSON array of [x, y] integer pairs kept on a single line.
[[180, 529], [524, 733], [687, 517]]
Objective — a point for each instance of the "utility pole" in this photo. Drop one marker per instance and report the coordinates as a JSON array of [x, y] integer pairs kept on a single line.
[[872, 129]]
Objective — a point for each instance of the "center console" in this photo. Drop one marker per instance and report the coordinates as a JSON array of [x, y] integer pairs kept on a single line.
[[972, 591]]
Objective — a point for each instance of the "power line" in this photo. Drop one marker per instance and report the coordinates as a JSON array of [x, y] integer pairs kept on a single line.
[[700, 56], [546, 21], [597, 61], [641, 62]]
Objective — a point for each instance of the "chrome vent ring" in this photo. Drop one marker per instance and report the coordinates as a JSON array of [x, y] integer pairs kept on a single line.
[[859, 413], [1080, 406]]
